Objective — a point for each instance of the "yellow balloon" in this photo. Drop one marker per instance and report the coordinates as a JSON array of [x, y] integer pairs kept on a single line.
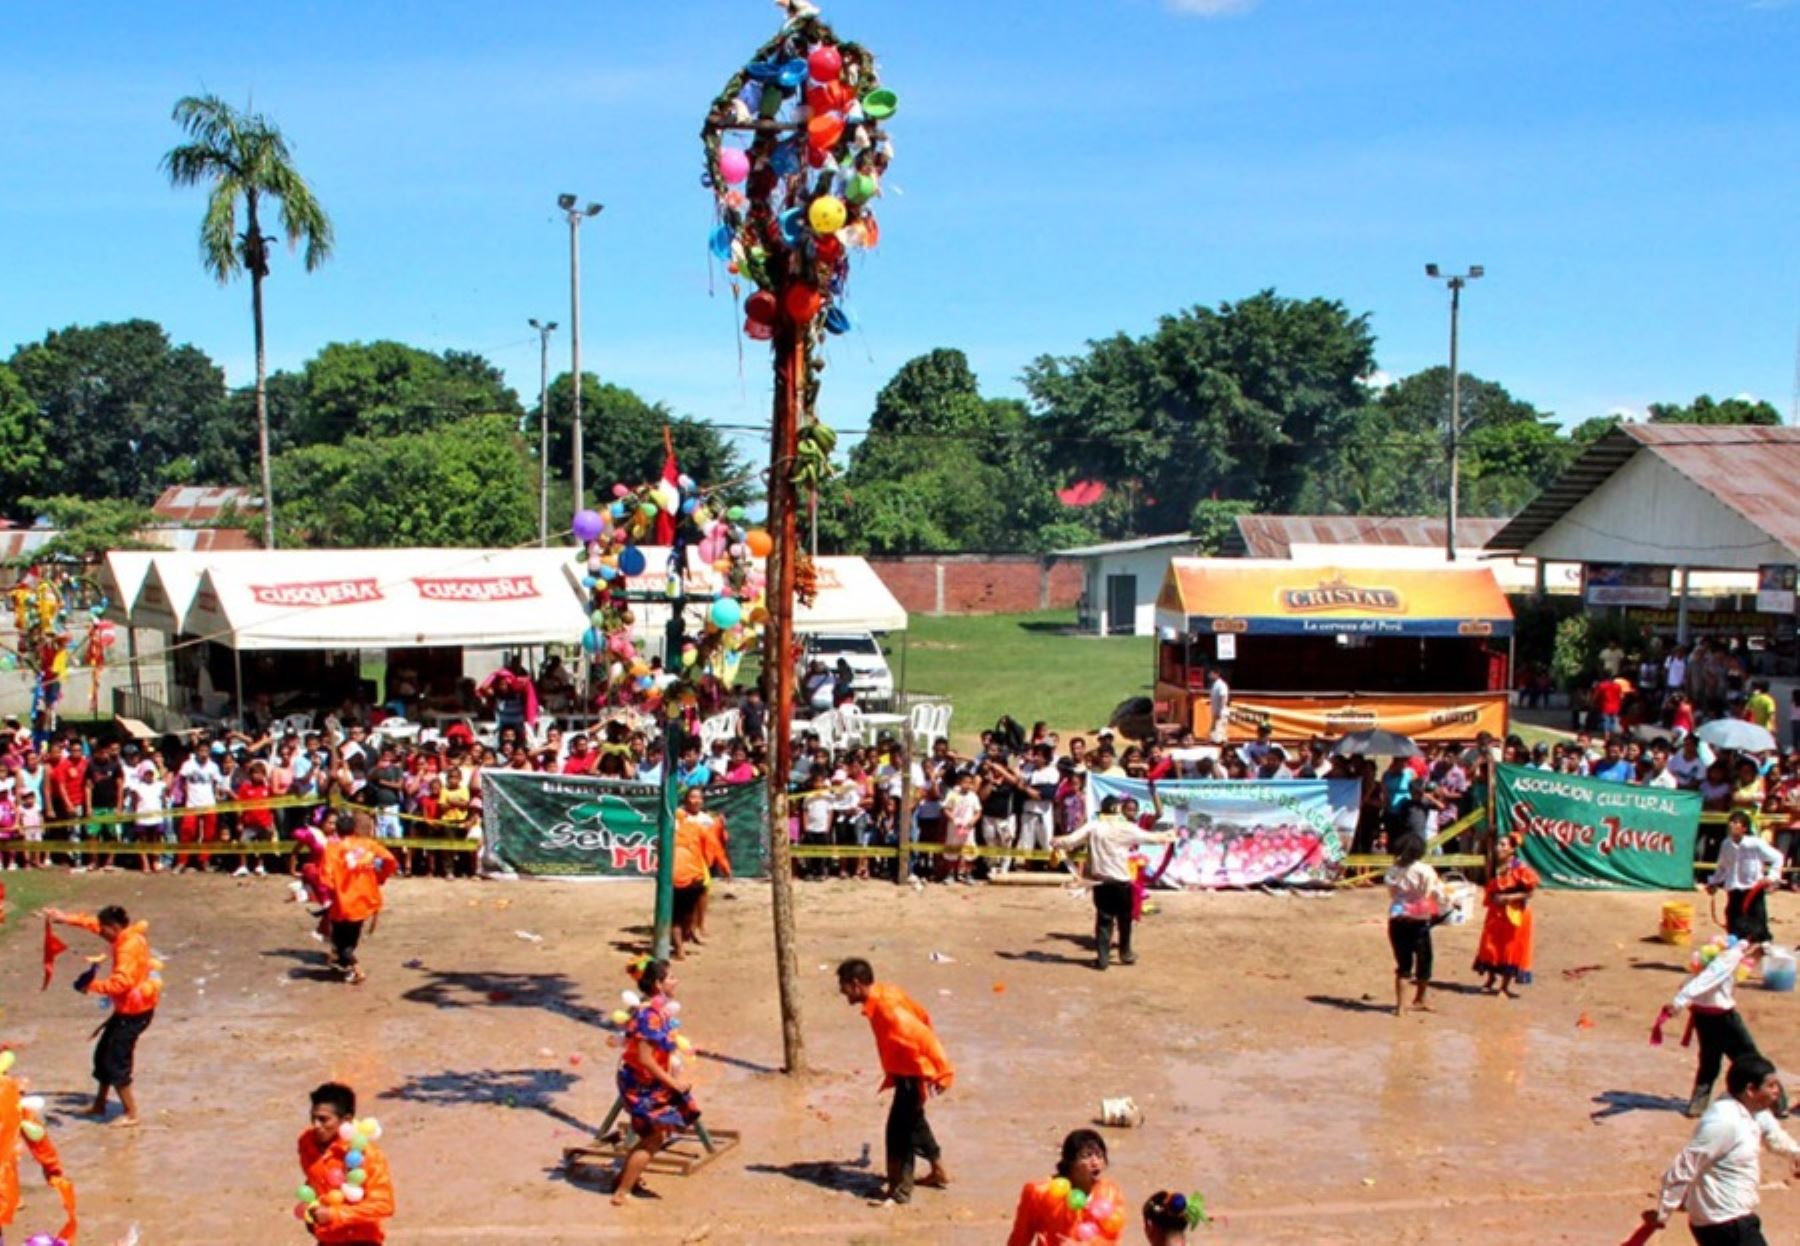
[[827, 214]]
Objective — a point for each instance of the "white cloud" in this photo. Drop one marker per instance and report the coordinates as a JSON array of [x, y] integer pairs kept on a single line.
[[1377, 380], [1210, 8]]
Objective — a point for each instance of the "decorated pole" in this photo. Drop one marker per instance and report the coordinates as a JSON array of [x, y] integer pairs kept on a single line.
[[795, 154]]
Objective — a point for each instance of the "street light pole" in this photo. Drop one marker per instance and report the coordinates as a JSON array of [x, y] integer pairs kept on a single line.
[[1456, 284], [544, 330], [576, 215]]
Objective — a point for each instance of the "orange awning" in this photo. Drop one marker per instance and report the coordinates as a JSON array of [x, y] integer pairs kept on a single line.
[[1276, 597]]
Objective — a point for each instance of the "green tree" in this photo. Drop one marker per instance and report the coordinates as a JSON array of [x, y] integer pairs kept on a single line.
[[943, 469], [123, 412], [87, 527], [1232, 402], [242, 155], [1214, 520], [1591, 430], [622, 440], [1703, 410], [470, 483], [23, 454], [386, 389]]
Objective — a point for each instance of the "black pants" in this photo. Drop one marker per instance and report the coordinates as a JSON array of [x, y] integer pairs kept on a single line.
[[909, 1136], [687, 903], [1410, 937], [1722, 1035], [1112, 905], [344, 938], [1744, 1231], [1747, 915], [116, 1052]]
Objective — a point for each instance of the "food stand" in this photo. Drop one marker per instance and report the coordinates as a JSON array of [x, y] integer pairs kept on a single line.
[[1320, 651]]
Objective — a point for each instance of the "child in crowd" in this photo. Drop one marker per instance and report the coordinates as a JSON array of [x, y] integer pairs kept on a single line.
[[962, 813], [31, 824], [9, 832]]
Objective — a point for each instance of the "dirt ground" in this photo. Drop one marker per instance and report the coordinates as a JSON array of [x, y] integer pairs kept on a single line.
[[1251, 1031]]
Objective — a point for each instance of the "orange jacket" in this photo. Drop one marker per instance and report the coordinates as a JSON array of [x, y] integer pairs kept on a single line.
[[904, 1039], [132, 985], [355, 867], [13, 1119], [1043, 1219], [699, 848], [352, 1222]]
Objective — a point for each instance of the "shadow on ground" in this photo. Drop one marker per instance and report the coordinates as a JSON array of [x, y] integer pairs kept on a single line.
[[853, 1177], [529, 1090], [1619, 1102]]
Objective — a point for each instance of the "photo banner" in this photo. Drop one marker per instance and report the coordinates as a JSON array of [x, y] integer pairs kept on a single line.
[[1244, 834], [548, 825], [1591, 835]]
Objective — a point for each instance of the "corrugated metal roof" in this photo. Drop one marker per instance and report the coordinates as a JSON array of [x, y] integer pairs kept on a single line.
[[1273, 536], [1127, 547], [22, 542], [204, 503], [1750, 469]]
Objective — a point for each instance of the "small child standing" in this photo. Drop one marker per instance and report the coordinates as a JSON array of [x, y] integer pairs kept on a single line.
[[31, 824], [962, 812], [1416, 901], [1748, 867], [9, 832]]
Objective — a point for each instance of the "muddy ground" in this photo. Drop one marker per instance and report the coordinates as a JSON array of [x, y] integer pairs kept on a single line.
[[1253, 1032]]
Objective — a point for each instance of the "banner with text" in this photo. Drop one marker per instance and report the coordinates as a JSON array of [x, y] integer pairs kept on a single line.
[[559, 825], [1592, 835], [1420, 716], [1244, 834]]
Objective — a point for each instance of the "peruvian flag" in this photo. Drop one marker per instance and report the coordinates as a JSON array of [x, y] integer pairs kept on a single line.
[[671, 473]]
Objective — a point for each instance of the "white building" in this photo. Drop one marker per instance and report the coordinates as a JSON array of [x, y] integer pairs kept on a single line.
[[1123, 578]]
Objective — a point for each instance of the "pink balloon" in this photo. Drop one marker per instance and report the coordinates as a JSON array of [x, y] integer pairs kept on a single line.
[[734, 165]]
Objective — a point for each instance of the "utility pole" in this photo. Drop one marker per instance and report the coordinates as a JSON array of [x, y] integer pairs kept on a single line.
[[576, 216], [544, 331], [1456, 284]]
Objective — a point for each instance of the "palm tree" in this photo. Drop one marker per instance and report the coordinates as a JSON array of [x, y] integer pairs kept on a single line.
[[244, 155]]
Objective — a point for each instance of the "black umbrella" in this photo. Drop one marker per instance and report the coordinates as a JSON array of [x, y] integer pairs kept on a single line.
[[1376, 743]]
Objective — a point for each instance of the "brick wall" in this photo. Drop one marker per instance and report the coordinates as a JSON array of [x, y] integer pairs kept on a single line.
[[980, 583]]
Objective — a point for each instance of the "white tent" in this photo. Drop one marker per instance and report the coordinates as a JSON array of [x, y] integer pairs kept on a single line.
[[167, 592], [121, 579], [851, 597], [388, 599]]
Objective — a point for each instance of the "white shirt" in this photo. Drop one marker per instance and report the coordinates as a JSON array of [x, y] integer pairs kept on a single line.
[[1714, 988], [1688, 771], [1663, 778], [1220, 696], [1742, 863], [1046, 776], [1110, 840], [1415, 891], [147, 800], [1716, 1175], [200, 780], [1675, 672]]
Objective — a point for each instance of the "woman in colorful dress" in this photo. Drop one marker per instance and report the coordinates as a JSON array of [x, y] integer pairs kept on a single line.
[[657, 1097], [1054, 1211], [1505, 951]]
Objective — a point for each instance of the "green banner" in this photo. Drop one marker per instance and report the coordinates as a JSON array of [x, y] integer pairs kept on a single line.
[[548, 824], [1592, 835]]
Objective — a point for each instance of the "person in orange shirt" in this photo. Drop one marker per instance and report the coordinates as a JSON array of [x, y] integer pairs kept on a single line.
[[699, 854], [355, 868], [134, 986], [914, 1064], [22, 1120], [1053, 1211], [333, 1150]]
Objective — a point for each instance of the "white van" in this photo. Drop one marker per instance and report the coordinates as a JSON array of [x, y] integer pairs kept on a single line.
[[870, 676]]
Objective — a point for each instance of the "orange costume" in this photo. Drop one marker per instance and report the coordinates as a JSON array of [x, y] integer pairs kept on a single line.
[[326, 1170], [19, 1123], [1505, 947], [904, 1039], [355, 868], [133, 985], [1046, 1218], [699, 848]]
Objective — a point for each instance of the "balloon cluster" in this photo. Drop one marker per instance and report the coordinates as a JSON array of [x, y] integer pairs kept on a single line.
[[795, 199], [680, 515], [621, 1019], [46, 1239], [1100, 1218], [31, 1126], [343, 1182], [1711, 950]]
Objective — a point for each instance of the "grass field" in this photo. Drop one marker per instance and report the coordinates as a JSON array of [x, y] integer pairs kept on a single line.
[[1031, 666]]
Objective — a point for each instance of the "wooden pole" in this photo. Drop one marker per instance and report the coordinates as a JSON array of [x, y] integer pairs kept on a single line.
[[790, 378]]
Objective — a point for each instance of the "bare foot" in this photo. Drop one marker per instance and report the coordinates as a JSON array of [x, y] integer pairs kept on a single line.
[[126, 1122], [1420, 1005], [936, 1179], [97, 1112]]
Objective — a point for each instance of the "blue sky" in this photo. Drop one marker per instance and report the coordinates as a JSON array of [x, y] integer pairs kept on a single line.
[[1065, 169]]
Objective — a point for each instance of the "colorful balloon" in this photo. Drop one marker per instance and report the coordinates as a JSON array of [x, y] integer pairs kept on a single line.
[[587, 525], [734, 164], [824, 63], [827, 214]]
